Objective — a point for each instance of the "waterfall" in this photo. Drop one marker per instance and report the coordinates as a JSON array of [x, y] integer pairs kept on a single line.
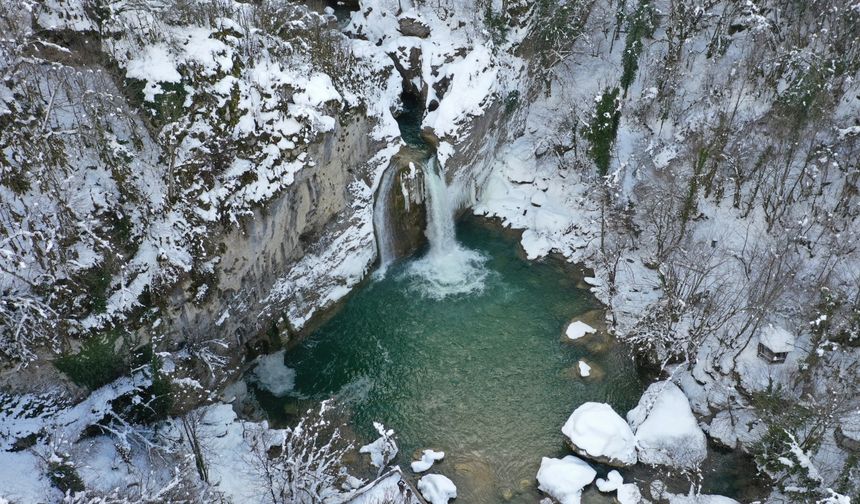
[[448, 268], [440, 216], [382, 221]]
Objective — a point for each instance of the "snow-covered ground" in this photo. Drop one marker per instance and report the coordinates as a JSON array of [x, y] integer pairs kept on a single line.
[[726, 218]]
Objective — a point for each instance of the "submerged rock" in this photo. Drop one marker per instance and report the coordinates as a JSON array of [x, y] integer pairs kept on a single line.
[[596, 431]]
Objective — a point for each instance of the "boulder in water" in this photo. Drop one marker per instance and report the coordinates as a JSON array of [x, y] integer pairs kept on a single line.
[[596, 431], [427, 460], [564, 479], [437, 489], [667, 433]]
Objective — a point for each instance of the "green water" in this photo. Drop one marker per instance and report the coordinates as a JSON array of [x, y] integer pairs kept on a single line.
[[485, 377]]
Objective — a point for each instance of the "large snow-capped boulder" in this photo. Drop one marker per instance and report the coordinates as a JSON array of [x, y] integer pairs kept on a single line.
[[596, 431], [437, 489], [666, 430], [564, 479]]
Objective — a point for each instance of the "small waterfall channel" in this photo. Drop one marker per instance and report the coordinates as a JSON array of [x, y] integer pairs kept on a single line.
[[382, 223]]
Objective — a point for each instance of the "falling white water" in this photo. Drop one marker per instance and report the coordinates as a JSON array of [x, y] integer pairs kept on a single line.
[[440, 216], [448, 268], [382, 223]]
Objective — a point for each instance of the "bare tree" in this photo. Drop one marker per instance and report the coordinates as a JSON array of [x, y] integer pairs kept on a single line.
[[299, 465]]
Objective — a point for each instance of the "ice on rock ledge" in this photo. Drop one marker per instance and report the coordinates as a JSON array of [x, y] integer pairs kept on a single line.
[[578, 329], [273, 375], [437, 489], [564, 479], [596, 431], [427, 460], [666, 430]]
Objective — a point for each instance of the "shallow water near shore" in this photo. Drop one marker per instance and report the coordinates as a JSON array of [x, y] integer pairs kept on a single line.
[[485, 376]]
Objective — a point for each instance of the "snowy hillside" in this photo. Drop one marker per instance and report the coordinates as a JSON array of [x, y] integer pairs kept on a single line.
[[188, 184]]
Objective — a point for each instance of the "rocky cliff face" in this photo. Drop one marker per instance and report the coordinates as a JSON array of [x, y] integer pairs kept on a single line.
[[265, 245], [229, 177]]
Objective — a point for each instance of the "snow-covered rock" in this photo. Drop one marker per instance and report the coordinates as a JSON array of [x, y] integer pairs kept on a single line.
[[384, 449], [777, 339], [629, 493], [737, 426], [626, 493], [23, 479], [848, 431], [596, 431], [584, 369], [437, 489], [613, 482], [578, 329], [692, 498], [666, 430], [564, 479], [427, 460], [388, 488]]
